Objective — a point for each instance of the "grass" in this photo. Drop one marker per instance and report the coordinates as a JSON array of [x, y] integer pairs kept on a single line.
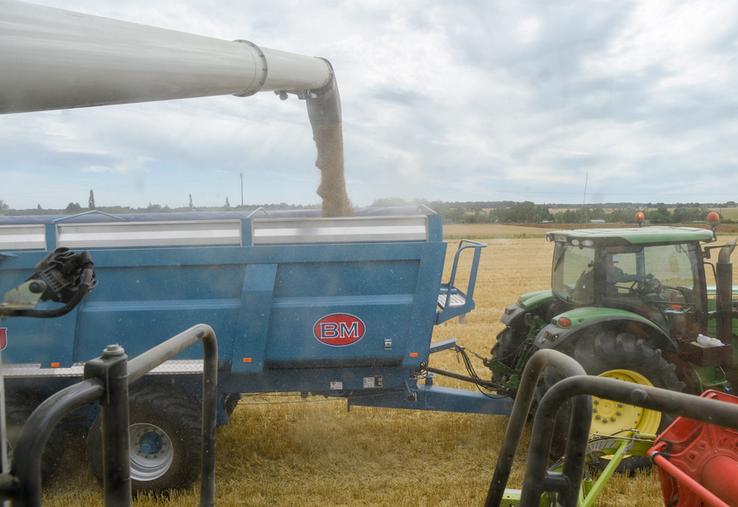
[[281, 450]]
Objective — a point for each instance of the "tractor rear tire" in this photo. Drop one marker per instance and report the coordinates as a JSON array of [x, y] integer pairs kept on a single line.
[[610, 351], [506, 345], [504, 350], [164, 440]]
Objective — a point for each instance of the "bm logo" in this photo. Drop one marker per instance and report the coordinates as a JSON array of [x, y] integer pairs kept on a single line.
[[339, 329]]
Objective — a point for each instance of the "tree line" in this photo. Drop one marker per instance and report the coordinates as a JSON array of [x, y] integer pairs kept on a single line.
[[526, 212]]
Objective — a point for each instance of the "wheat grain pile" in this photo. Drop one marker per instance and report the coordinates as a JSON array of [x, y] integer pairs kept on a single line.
[[281, 450]]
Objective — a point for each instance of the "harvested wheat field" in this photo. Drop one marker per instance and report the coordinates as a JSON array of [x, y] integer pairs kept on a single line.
[[283, 450]]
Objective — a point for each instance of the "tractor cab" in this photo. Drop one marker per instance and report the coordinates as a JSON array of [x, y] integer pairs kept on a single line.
[[630, 304], [625, 296], [656, 272]]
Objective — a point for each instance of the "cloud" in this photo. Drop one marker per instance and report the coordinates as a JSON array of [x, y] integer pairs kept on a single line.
[[474, 100]]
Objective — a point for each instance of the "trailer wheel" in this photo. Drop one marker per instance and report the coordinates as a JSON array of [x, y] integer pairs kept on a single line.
[[164, 440], [625, 357]]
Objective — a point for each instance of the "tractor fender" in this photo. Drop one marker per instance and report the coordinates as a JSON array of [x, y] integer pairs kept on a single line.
[[526, 303], [588, 320], [512, 315]]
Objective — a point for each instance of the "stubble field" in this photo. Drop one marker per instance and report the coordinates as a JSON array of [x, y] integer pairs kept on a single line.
[[282, 450]]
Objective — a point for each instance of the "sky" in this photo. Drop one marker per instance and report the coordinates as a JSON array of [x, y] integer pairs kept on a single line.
[[454, 101]]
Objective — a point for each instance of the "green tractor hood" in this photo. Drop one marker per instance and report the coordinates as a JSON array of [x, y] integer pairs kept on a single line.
[[531, 300]]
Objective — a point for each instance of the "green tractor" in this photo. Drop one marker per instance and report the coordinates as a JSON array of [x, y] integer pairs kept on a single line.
[[631, 304]]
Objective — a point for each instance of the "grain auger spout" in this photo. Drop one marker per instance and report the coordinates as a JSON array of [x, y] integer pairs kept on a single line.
[[57, 59]]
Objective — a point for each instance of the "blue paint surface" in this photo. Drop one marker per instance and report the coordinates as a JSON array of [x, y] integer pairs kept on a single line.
[[262, 301]]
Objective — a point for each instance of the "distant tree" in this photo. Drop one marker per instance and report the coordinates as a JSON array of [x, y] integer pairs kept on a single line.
[[191, 205], [227, 204], [573, 216], [153, 207], [38, 207], [660, 215], [455, 215], [685, 215], [3, 205], [91, 200], [596, 214], [525, 212], [73, 206], [621, 215]]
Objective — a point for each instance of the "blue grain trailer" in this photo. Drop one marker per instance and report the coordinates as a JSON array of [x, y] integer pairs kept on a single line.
[[331, 306]]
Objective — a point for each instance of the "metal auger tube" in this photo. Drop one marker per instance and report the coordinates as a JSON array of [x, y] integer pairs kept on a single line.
[[58, 59]]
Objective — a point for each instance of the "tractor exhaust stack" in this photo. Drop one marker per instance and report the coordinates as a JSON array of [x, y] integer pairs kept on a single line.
[[724, 303]]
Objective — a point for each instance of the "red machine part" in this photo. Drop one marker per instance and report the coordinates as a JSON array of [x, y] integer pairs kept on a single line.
[[698, 462]]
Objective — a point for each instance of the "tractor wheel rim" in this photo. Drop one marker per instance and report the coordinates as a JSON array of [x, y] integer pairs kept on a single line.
[[612, 417], [150, 450]]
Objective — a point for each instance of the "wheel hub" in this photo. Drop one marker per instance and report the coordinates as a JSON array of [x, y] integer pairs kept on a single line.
[[612, 417], [150, 450]]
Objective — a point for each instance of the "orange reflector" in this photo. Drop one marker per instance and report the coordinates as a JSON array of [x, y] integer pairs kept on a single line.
[[248, 360], [55, 364], [413, 354], [564, 322]]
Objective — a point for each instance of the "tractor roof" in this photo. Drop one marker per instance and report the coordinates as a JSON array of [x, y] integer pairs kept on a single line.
[[634, 236]]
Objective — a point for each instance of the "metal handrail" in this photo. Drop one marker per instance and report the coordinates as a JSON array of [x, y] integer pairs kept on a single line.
[[59, 220], [477, 246], [539, 480], [26, 464], [451, 312], [581, 411], [109, 378]]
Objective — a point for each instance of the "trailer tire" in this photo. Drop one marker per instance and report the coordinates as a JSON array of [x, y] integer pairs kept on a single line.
[[164, 440], [604, 353], [230, 402]]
